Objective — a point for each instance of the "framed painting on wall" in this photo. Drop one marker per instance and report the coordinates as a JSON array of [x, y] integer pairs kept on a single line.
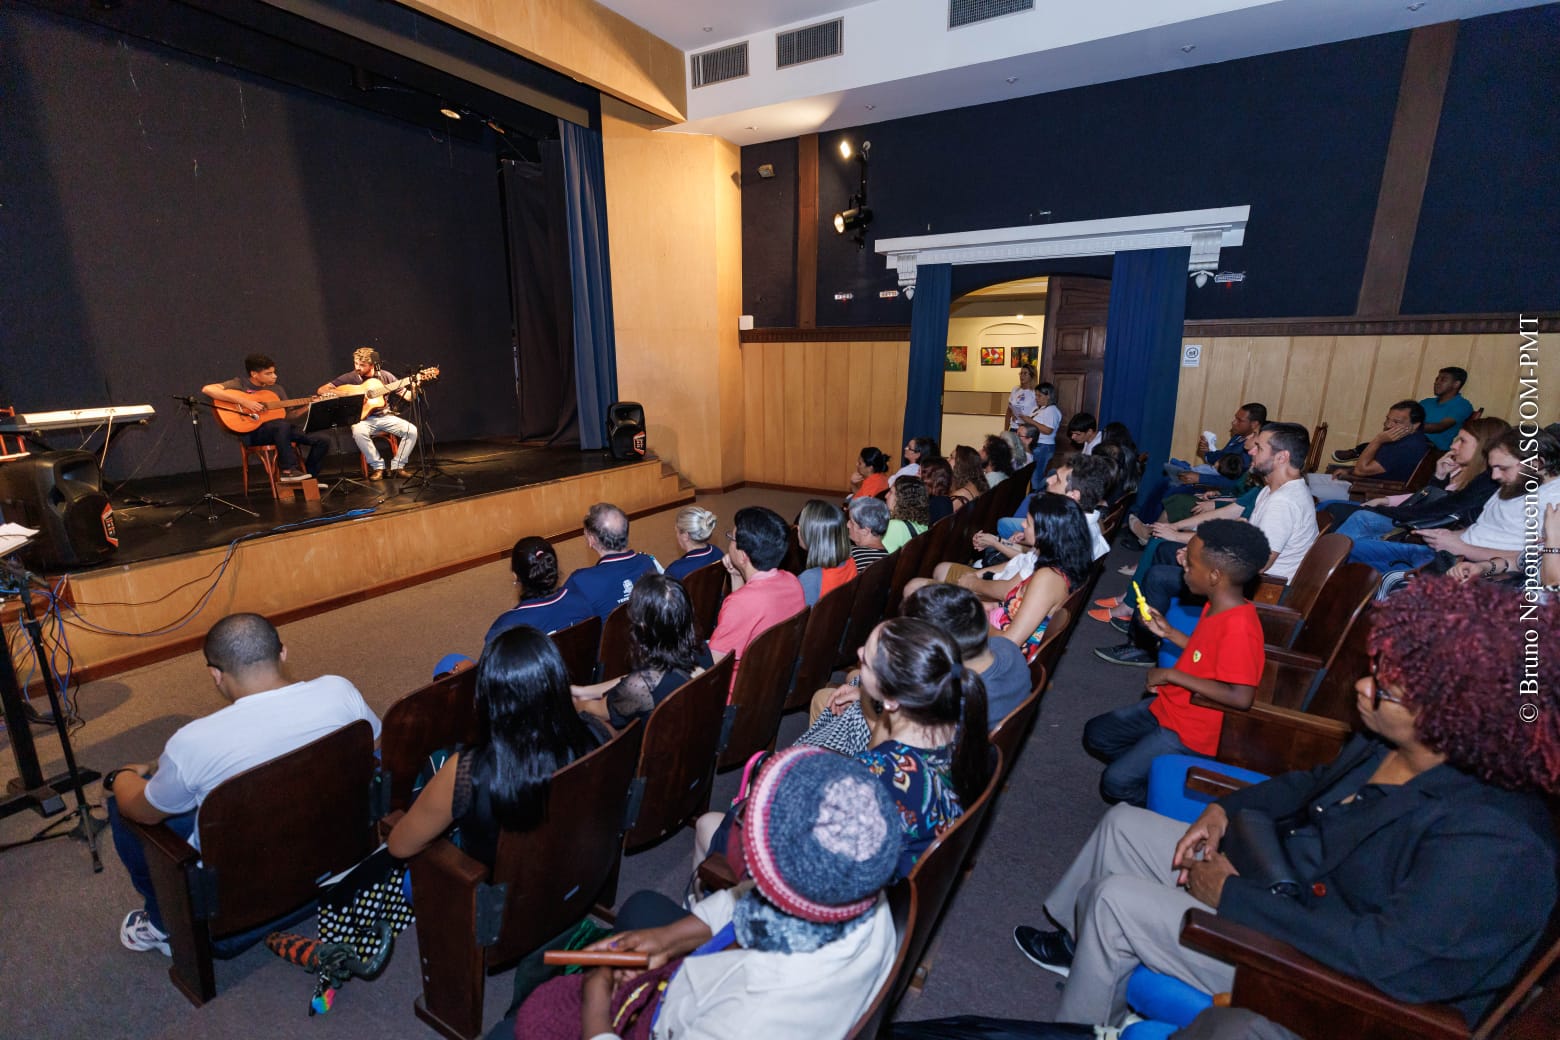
[[992, 356], [1022, 356], [957, 360]]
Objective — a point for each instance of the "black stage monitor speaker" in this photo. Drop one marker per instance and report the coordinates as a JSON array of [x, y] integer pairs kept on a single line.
[[626, 430], [61, 494]]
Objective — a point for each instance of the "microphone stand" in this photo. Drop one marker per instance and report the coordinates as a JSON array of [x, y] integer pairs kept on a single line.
[[46, 794], [209, 500], [427, 461]]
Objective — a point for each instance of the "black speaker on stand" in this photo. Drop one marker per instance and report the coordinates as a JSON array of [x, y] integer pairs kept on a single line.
[[61, 494], [626, 430]]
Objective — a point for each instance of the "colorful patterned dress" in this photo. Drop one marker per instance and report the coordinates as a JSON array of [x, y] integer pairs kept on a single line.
[[920, 780]]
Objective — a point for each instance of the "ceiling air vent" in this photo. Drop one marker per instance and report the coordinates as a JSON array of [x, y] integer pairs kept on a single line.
[[968, 12], [824, 40], [719, 65]]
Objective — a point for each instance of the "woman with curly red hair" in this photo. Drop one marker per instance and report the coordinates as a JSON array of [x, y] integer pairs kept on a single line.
[[1422, 859]]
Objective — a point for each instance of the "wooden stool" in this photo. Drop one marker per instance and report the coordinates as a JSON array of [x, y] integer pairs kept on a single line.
[[308, 488]]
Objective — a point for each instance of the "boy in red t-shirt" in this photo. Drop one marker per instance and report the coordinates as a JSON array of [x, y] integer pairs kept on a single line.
[[1221, 660]]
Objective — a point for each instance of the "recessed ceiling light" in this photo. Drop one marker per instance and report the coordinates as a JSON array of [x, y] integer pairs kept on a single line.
[[750, 128], [1415, 7], [709, 28], [1189, 48], [449, 113], [871, 107], [1012, 79]]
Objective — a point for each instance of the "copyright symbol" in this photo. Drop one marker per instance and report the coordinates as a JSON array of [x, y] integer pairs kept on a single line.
[[1528, 713]]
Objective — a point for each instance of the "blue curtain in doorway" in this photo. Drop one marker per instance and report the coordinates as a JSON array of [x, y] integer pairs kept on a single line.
[[1143, 348], [928, 349], [590, 268]]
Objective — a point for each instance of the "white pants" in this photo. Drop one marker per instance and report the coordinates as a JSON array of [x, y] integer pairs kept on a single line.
[[1120, 902], [363, 436]]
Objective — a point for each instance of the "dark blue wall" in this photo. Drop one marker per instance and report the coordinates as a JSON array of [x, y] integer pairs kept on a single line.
[[1300, 136]]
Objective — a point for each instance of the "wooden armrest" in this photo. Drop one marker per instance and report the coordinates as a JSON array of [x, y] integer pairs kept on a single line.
[[715, 873], [1280, 624], [1270, 589], [1271, 739], [443, 864], [1200, 780], [159, 840], [1276, 980]]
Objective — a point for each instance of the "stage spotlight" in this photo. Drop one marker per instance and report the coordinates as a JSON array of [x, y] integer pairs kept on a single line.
[[449, 113], [853, 219], [845, 150]]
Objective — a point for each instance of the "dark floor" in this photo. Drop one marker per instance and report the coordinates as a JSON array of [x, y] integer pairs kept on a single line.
[[154, 516]]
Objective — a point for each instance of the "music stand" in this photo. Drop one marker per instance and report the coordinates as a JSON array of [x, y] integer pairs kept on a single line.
[[31, 790], [329, 414]]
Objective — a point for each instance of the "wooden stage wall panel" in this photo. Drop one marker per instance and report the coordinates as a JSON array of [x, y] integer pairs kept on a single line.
[[300, 572]]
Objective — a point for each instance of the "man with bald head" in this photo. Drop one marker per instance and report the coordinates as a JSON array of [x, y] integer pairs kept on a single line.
[[268, 716], [608, 583]]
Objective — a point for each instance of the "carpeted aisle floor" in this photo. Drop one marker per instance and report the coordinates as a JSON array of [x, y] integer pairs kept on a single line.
[[64, 974]]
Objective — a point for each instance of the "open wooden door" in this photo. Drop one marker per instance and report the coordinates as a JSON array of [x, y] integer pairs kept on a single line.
[[1073, 342]]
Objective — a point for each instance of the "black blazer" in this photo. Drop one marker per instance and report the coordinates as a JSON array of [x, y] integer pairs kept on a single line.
[[1436, 891]]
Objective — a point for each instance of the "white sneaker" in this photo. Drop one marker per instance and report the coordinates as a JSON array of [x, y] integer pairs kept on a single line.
[[139, 934]]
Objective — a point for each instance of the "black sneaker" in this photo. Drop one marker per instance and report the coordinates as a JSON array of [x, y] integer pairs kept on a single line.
[[1126, 654], [1345, 455], [1053, 951], [292, 476]]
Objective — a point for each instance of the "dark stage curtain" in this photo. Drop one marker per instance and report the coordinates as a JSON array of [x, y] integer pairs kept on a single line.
[[1143, 348], [538, 240], [595, 352], [928, 349]]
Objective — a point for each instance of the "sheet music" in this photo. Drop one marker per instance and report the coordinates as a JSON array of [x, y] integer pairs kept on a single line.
[[14, 536]]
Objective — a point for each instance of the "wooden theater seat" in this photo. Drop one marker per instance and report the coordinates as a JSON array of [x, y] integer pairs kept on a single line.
[[706, 587], [826, 624], [439, 715], [579, 644], [267, 835], [472, 921], [677, 761], [758, 698]]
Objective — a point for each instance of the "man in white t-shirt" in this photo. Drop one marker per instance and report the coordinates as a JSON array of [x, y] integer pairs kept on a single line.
[[1285, 513], [1519, 464], [269, 716]]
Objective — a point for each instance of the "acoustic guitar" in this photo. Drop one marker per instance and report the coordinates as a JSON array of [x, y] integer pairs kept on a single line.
[[239, 421], [374, 391]]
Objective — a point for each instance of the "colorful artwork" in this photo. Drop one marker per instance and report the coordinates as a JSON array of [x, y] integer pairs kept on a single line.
[[1022, 356], [958, 359], [992, 357]]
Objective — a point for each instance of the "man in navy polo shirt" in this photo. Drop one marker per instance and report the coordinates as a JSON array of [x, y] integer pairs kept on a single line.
[[609, 582]]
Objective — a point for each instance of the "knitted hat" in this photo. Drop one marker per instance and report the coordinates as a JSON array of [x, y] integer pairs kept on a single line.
[[821, 836]]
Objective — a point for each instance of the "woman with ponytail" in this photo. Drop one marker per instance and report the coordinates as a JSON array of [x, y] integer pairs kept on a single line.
[[928, 718], [527, 730]]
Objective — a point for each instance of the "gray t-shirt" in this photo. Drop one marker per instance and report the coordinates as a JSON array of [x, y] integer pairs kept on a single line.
[[1007, 680]]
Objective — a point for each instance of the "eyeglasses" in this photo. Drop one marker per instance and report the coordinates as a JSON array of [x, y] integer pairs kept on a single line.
[[1379, 693], [731, 536]]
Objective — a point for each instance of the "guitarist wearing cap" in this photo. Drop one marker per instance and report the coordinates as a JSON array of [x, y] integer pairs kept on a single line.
[[377, 387], [240, 401]]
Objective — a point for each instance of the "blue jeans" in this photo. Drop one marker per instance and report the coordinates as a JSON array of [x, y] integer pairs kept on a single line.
[[363, 436], [281, 435], [1128, 740], [1364, 524], [133, 856], [1041, 453], [1391, 556]]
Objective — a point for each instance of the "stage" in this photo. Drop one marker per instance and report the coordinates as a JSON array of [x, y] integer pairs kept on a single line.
[[172, 577]]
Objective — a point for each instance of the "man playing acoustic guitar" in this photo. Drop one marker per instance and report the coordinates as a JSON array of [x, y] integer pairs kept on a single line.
[[256, 393], [376, 385]]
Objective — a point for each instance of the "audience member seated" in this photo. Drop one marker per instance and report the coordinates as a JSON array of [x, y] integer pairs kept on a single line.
[[969, 475], [937, 475], [908, 512], [664, 651], [543, 605], [694, 528], [1447, 410], [1422, 860], [1460, 487], [1059, 536], [870, 477], [1221, 660], [836, 719], [269, 716], [800, 952], [1395, 452], [821, 530], [1020, 443], [1247, 421], [865, 524], [1284, 512], [528, 728], [607, 583], [996, 456], [1086, 479], [1499, 534], [762, 594], [1124, 476], [1083, 433], [916, 449]]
